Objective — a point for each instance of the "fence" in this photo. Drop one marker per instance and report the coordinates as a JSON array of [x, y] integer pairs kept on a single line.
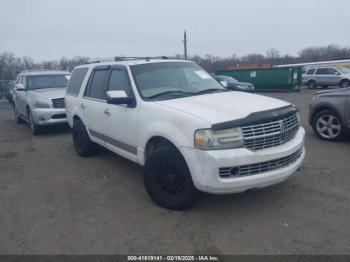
[[5, 87]]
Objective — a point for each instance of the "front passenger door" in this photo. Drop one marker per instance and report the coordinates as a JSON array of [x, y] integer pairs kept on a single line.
[[334, 76], [121, 120]]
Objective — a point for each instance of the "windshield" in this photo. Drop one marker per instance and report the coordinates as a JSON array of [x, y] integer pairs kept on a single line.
[[174, 79], [344, 70], [46, 81]]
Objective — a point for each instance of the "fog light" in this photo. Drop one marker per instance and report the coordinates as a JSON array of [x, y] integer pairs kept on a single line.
[[234, 171]]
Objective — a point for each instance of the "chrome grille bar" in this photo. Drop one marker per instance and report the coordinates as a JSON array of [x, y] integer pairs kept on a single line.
[[266, 135], [260, 168]]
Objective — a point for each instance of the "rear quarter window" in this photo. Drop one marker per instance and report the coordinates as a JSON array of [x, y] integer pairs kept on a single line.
[[76, 81]]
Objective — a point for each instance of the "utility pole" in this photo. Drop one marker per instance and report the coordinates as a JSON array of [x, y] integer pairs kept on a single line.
[[185, 45]]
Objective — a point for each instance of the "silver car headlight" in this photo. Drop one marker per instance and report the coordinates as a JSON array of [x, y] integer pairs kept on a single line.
[[208, 139], [41, 104], [243, 87]]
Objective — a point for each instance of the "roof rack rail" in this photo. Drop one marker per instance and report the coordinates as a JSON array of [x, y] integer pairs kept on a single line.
[[100, 60], [124, 58], [35, 70], [147, 58]]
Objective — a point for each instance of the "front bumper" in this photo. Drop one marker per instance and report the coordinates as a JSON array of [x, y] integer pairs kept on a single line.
[[204, 166], [49, 116]]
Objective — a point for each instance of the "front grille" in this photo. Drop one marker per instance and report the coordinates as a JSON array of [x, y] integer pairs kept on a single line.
[[58, 102], [274, 133], [260, 168]]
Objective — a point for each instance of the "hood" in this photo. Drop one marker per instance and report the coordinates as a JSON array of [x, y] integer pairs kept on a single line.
[[222, 107], [49, 93], [338, 91]]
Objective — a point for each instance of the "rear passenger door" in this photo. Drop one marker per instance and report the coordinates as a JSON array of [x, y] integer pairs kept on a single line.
[[120, 121], [94, 103], [309, 75], [321, 76]]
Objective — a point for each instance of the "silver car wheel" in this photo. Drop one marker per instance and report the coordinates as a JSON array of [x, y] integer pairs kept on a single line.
[[345, 84], [328, 126]]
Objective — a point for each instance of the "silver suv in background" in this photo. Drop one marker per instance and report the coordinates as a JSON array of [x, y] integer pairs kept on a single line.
[[327, 76], [39, 98]]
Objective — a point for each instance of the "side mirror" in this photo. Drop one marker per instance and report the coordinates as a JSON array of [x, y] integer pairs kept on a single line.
[[336, 73], [20, 87], [224, 83], [119, 98]]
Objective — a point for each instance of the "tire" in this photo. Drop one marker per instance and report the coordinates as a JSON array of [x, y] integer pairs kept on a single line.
[[345, 83], [311, 84], [327, 125], [168, 180], [18, 119], [34, 128], [83, 146]]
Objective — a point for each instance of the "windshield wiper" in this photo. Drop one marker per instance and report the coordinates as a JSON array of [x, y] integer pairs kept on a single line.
[[211, 90], [178, 92]]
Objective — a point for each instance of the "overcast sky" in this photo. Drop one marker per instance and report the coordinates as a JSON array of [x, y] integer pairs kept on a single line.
[[50, 29]]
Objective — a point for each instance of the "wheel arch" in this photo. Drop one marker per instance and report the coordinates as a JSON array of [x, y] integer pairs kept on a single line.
[[311, 80], [27, 109], [323, 107], [74, 118], [155, 142], [344, 79]]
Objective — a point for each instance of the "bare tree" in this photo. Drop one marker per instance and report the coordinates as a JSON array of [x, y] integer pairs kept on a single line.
[[10, 65]]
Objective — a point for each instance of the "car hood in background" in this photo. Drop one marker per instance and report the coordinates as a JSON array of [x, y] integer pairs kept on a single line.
[[49, 92], [338, 91], [245, 83], [223, 107]]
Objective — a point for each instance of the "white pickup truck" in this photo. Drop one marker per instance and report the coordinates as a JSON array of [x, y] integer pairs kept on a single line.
[[187, 131]]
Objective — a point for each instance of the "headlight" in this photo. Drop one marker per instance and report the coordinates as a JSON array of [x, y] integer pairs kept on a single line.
[[208, 139], [40, 104]]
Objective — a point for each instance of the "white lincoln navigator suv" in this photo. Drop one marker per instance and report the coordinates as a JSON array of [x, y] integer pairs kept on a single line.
[[188, 132]]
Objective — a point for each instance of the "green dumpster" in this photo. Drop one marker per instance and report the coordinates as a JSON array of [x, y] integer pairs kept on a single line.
[[269, 79]]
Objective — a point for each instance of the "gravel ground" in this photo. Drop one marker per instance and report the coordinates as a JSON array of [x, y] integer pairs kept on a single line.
[[54, 202]]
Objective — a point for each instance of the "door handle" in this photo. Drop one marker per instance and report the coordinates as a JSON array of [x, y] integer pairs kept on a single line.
[[82, 106], [107, 112]]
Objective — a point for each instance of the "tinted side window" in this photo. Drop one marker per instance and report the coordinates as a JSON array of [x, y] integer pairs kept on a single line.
[[98, 89], [311, 72], [119, 81], [76, 80], [322, 71]]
